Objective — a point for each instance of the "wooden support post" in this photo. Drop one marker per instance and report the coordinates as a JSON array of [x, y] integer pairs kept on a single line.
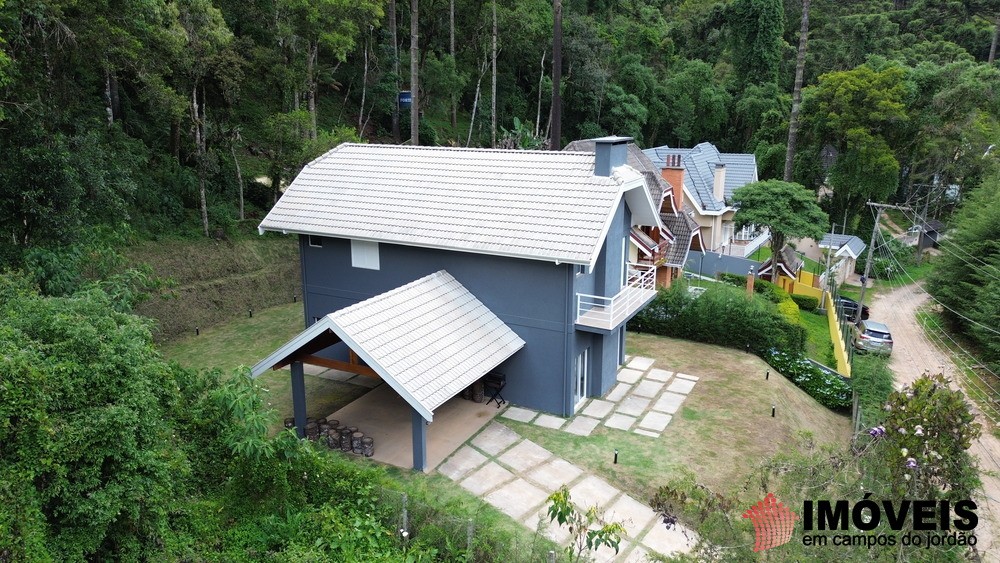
[[299, 398], [419, 441]]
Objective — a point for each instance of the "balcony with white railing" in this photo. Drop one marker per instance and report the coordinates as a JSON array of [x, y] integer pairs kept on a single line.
[[608, 313], [745, 243]]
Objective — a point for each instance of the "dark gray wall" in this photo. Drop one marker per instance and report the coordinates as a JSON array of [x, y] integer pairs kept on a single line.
[[712, 263], [528, 295]]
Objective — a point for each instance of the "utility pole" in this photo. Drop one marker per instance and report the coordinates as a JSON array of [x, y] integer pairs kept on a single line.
[[414, 70], [871, 248], [556, 139]]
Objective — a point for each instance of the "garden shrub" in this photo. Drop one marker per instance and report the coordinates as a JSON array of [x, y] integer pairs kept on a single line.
[[790, 311], [762, 287], [871, 379], [806, 302], [829, 389], [722, 315]]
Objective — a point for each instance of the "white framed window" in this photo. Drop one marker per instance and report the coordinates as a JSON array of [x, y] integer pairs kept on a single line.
[[315, 241], [364, 254], [580, 269], [581, 375]]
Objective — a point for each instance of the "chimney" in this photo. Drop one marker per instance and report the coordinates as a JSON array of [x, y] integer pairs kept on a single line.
[[673, 174], [719, 188], [611, 152]]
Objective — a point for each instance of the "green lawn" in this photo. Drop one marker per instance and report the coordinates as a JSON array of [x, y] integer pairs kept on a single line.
[[722, 432], [246, 341], [819, 345]]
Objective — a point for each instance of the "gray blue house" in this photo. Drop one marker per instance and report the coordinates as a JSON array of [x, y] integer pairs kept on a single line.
[[429, 267]]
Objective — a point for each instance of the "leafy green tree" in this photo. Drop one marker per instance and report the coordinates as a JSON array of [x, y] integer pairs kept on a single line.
[[756, 45], [785, 208], [588, 531], [966, 277], [857, 113], [696, 104]]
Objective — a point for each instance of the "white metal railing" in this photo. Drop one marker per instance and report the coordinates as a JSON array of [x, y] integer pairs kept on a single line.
[[609, 312], [746, 247]]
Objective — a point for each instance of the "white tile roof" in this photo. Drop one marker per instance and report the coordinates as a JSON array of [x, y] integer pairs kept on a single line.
[[542, 205], [428, 339]]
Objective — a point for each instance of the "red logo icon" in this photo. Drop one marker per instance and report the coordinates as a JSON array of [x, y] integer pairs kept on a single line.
[[773, 523]]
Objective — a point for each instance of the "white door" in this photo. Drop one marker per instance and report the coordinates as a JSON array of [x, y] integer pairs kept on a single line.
[[580, 377]]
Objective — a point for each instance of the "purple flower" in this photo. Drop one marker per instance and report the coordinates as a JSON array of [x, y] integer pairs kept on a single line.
[[911, 463]]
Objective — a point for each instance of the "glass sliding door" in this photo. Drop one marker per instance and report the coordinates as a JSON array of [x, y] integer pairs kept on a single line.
[[581, 375]]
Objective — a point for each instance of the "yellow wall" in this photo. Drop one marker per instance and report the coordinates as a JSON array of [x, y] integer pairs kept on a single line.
[[799, 288], [839, 346]]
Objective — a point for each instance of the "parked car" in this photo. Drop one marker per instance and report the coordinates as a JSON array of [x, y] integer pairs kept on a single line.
[[871, 336], [850, 309]]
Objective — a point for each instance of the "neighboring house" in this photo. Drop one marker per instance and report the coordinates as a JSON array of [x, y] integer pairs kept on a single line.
[[665, 245], [430, 267], [930, 234], [709, 178], [845, 249], [788, 261]]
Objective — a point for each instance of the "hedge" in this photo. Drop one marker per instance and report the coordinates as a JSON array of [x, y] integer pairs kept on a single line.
[[806, 302], [764, 288]]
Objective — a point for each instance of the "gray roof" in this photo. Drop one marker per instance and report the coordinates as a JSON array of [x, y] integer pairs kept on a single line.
[[537, 205], [699, 171], [657, 187], [788, 261], [428, 339], [845, 244], [684, 229]]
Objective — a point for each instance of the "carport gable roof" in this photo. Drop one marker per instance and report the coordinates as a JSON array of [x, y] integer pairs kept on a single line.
[[428, 339], [844, 244]]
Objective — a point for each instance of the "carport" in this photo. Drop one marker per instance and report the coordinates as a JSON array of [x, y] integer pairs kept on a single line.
[[428, 340]]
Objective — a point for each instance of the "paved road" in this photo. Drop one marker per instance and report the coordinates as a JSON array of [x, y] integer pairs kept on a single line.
[[913, 355]]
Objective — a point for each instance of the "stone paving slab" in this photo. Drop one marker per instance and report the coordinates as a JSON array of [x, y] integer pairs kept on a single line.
[[688, 377], [669, 402], [487, 477], [632, 405], [539, 521], [637, 555], [630, 513], [517, 498], [640, 363], [592, 491], [598, 408], [657, 374], [655, 421], [618, 392], [620, 421], [582, 425], [495, 438], [627, 375], [647, 388], [519, 414], [525, 455], [555, 473], [668, 542], [461, 462], [647, 433], [681, 386], [549, 421]]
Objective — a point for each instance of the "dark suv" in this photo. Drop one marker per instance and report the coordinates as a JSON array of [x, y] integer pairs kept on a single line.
[[850, 309]]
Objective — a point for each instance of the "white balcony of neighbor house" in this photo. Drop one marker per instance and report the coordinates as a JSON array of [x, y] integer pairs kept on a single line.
[[608, 313], [747, 240]]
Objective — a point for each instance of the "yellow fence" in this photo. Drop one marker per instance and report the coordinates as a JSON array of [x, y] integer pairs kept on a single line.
[[804, 286], [839, 346]]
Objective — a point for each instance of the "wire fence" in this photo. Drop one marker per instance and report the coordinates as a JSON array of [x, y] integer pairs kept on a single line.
[[473, 538]]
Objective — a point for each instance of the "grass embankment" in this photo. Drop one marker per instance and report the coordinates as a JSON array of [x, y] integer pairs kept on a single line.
[[217, 281], [721, 433], [819, 344], [246, 341]]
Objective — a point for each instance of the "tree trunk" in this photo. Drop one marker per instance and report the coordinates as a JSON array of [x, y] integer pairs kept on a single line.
[[993, 44], [556, 116], [475, 101], [311, 89], [414, 74], [239, 175], [777, 243], [175, 139], [364, 92], [793, 120], [107, 97], [493, 97], [395, 69], [538, 112], [198, 118], [454, 98], [275, 184]]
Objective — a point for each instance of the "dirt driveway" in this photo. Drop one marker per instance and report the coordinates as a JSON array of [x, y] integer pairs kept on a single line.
[[913, 355]]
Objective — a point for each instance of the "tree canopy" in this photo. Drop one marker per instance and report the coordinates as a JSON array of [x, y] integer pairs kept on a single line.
[[787, 209]]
